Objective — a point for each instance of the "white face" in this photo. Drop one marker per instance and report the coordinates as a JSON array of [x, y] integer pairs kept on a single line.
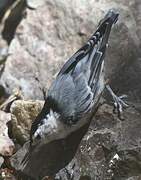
[[48, 127]]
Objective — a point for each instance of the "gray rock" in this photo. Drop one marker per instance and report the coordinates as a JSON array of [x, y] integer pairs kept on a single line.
[[111, 148]]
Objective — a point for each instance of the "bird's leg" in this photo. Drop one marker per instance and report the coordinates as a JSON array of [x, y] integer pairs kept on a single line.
[[66, 173], [119, 103], [70, 171], [69, 174]]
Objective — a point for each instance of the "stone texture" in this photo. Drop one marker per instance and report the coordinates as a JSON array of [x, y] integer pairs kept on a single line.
[[107, 137], [6, 144], [23, 113]]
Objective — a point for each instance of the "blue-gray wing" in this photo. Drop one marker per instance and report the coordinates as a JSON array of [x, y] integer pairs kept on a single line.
[[76, 87], [72, 96], [74, 92]]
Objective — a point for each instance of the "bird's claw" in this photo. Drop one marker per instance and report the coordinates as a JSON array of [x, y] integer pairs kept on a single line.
[[67, 172], [119, 105], [70, 171]]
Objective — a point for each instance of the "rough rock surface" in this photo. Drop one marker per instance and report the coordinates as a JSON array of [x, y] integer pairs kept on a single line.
[[23, 113], [111, 148], [50, 34], [6, 144]]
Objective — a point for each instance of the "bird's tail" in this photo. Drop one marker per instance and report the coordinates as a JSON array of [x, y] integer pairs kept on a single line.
[[98, 43], [104, 27]]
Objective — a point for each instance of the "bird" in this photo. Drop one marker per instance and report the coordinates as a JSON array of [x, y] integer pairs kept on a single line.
[[75, 93], [72, 100]]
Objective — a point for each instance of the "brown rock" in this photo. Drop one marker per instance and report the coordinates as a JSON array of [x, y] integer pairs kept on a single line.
[[23, 113]]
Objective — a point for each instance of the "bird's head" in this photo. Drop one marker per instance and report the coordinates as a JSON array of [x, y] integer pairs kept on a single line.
[[45, 125]]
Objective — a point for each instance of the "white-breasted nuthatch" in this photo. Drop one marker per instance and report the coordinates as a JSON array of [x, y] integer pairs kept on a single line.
[[75, 93], [72, 98]]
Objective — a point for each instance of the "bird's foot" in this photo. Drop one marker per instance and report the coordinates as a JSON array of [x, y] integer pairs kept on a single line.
[[66, 173], [70, 172], [119, 103]]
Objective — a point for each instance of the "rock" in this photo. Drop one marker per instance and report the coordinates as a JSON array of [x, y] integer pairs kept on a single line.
[[11, 12], [23, 113], [111, 148], [6, 144], [1, 161], [43, 43]]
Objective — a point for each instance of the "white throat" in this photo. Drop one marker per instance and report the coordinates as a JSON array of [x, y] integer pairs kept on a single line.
[[48, 126]]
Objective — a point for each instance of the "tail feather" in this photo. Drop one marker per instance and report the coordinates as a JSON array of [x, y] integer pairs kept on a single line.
[[100, 41], [104, 28]]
